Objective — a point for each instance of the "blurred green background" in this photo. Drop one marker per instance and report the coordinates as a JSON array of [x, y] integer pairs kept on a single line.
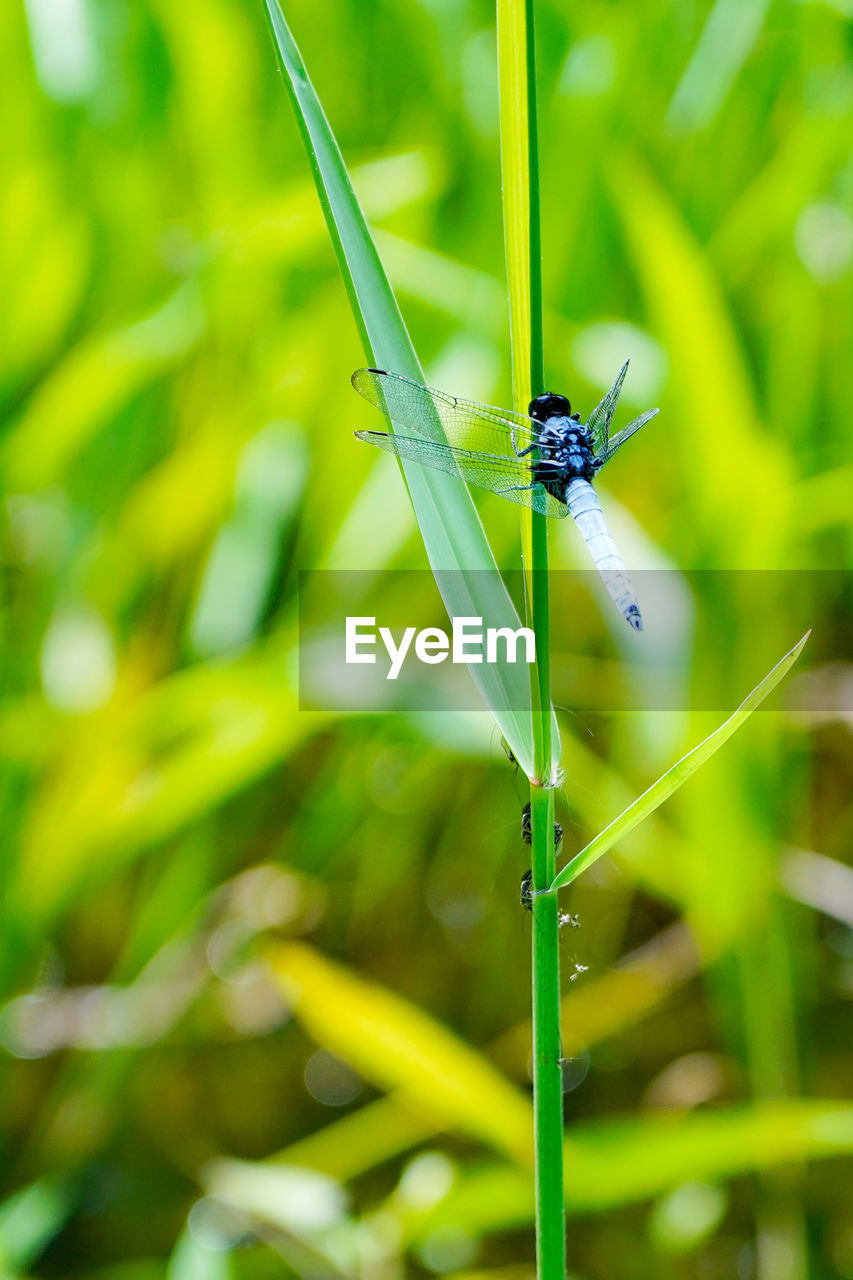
[[233, 930]]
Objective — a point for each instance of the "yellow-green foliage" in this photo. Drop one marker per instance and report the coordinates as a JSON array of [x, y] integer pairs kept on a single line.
[[177, 444]]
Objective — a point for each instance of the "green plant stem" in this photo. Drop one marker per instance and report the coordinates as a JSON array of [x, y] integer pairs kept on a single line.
[[520, 171], [547, 1075]]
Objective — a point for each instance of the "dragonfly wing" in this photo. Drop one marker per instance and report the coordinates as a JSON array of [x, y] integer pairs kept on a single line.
[[602, 415], [444, 418], [511, 478], [626, 432]]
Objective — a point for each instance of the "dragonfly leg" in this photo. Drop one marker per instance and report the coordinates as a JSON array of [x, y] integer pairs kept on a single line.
[[520, 453]]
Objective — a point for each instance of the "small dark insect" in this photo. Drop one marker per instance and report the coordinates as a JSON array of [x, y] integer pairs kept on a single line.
[[527, 829], [527, 902], [527, 891]]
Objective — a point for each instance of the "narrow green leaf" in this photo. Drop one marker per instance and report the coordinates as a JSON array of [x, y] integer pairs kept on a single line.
[[611, 1163], [192, 1261], [305, 1205], [519, 166], [729, 36], [398, 1046], [91, 384], [591, 1011], [147, 769], [29, 1220], [455, 542], [676, 776], [691, 316], [520, 200], [615, 1162]]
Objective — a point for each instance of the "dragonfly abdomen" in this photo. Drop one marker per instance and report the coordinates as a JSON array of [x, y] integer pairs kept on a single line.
[[582, 501]]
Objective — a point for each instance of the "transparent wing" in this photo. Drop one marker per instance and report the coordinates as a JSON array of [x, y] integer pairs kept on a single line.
[[443, 418], [511, 478], [626, 432], [602, 415]]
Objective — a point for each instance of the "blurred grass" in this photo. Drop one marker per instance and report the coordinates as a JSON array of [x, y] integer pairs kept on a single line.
[[175, 331]]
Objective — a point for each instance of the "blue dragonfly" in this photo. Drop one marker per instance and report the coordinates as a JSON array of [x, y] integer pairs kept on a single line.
[[546, 459]]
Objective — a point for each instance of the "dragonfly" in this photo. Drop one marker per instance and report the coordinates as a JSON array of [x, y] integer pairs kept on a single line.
[[545, 459]]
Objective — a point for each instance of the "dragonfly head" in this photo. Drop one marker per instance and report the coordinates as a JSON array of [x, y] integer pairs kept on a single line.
[[549, 405]]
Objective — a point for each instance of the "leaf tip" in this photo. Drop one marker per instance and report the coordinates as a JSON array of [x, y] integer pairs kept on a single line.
[[801, 644]]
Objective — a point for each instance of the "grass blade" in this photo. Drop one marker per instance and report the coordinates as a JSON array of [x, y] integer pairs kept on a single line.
[[398, 1046], [676, 776], [728, 38], [520, 188], [691, 314], [192, 1261], [626, 1161], [29, 1220], [456, 545]]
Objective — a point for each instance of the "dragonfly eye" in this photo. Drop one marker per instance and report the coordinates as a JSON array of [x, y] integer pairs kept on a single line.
[[549, 405]]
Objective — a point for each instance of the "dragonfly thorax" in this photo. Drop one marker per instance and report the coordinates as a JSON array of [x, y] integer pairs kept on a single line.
[[565, 453]]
